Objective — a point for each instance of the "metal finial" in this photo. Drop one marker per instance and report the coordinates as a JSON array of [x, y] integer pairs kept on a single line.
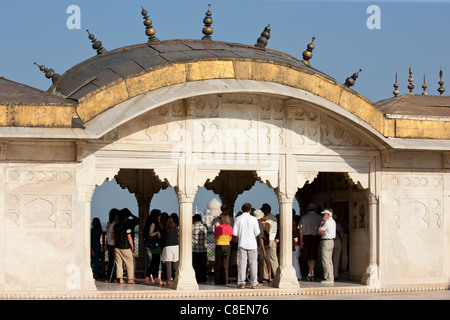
[[207, 30], [424, 86], [307, 54], [264, 38], [49, 73], [396, 85], [441, 83], [149, 30], [410, 80], [350, 81], [96, 44]]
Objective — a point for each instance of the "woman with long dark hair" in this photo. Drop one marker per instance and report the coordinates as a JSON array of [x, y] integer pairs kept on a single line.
[[96, 247], [109, 244], [152, 240], [170, 252]]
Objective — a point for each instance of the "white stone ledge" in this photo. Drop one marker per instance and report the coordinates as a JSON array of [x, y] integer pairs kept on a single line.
[[174, 294]]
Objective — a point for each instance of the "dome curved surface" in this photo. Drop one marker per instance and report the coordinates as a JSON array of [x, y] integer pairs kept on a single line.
[[105, 81], [214, 205], [105, 68]]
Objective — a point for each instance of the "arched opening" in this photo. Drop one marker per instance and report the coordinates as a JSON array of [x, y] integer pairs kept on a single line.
[[220, 160], [107, 196], [138, 190], [350, 209]]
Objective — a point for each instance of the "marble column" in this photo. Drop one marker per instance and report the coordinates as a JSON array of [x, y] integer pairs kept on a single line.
[[185, 275], [372, 276], [286, 277], [89, 282]]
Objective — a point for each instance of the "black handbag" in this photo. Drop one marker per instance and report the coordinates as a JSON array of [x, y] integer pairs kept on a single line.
[[151, 243]]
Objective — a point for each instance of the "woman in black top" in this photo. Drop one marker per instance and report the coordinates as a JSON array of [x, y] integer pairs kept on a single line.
[[152, 240], [170, 253]]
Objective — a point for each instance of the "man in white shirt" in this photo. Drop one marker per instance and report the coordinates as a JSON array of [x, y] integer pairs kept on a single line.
[[327, 230], [245, 229]]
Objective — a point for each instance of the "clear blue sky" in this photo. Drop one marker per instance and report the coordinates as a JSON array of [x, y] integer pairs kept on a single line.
[[412, 33]]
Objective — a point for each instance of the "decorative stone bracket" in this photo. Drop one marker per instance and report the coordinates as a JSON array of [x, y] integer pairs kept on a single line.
[[305, 177], [360, 179], [102, 174]]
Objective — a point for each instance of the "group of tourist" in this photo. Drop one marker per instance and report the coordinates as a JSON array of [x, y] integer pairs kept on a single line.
[[119, 243], [256, 233], [251, 240]]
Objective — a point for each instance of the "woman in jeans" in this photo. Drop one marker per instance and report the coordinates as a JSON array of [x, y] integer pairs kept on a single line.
[[152, 240]]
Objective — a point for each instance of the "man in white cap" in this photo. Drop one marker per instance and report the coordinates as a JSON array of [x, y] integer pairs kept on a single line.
[[327, 230], [310, 238]]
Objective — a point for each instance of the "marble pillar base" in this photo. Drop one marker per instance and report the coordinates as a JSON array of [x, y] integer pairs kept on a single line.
[[185, 279], [286, 278]]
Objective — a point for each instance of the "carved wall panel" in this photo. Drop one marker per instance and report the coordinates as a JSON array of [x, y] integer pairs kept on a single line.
[[414, 201], [207, 106], [239, 123], [39, 198], [161, 125], [333, 133]]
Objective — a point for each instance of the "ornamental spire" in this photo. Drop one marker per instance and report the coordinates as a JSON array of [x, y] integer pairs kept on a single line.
[[49, 73], [410, 80], [396, 85], [207, 30], [264, 38], [149, 30], [307, 54], [424, 86], [441, 83], [96, 44], [350, 81]]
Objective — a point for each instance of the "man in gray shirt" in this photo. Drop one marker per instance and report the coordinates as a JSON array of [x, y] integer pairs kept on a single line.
[[310, 238]]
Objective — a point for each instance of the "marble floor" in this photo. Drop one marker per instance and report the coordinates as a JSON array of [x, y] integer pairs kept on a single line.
[[341, 289]]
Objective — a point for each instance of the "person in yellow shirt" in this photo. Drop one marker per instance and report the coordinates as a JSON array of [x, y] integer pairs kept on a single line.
[[223, 234]]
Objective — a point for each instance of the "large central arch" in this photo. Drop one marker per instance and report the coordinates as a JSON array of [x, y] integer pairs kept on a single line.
[[189, 133]]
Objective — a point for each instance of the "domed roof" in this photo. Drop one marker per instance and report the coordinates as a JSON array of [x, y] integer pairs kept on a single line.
[[105, 68], [214, 204]]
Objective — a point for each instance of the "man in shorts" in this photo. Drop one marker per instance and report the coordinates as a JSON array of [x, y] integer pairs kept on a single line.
[[310, 238]]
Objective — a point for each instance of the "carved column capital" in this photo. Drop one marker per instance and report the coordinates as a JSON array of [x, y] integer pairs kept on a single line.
[[284, 197], [88, 192], [186, 196], [372, 199], [143, 199]]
